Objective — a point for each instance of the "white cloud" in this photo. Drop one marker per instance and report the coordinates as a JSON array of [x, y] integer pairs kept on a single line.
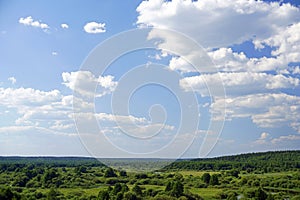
[[84, 83], [40, 109], [264, 135], [48, 114], [286, 43], [296, 70], [64, 26], [12, 79], [262, 139], [255, 85], [239, 83], [285, 138], [218, 23], [27, 97], [94, 27], [286, 48], [28, 21], [265, 110], [54, 53], [115, 124]]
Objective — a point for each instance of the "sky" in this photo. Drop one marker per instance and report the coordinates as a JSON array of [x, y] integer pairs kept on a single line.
[[150, 78]]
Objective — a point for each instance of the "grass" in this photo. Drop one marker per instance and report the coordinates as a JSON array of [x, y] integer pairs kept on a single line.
[[206, 193], [72, 191], [196, 173], [154, 187], [272, 174]]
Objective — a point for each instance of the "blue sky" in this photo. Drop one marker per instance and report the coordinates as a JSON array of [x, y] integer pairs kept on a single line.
[[254, 54]]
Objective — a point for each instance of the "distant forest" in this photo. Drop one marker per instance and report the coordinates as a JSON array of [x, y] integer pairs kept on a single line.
[[274, 161]]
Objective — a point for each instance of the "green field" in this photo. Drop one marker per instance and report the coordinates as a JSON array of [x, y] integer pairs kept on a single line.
[[245, 177]]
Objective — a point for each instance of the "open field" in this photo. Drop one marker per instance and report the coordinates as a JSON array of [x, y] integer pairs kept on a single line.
[[81, 178]]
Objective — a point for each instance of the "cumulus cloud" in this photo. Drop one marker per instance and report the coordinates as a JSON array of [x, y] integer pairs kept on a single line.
[[296, 70], [265, 110], [64, 26], [12, 79], [27, 96], [28, 21], [239, 83], [85, 83], [218, 23], [285, 138], [286, 43], [45, 109], [94, 27], [263, 138], [264, 135], [254, 86]]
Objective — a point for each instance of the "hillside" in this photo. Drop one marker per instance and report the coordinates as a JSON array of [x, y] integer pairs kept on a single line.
[[264, 161]]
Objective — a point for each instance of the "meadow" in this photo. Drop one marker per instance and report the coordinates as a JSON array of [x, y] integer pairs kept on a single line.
[[271, 175]]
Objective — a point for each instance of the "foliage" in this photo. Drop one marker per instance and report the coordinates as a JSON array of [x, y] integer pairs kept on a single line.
[[206, 178], [251, 162], [227, 178]]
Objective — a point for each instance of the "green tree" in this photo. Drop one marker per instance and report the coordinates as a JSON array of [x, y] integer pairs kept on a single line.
[[260, 194], [117, 188], [119, 196], [231, 196], [125, 188], [137, 190], [52, 194], [103, 195], [6, 194], [169, 186], [80, 170], [206, 178], [123, 173], [177, 189], [214, 180], [48, 176], [130, 196], [109, 172]]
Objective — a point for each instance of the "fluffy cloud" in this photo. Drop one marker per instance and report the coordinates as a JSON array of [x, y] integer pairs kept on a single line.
[[239, 83], [85, 83], [255, 85], [262, 139], [94, 27], [265, 110], [64, 26], [218, 23], [285, 138], [34, 106], [12, 79], [264, 135], [286, 43], [138, 127], [40, 109], [28, 21], [27, 97]]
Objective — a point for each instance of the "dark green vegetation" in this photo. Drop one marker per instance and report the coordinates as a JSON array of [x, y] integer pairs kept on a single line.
[[258, 162], [271, 175]]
